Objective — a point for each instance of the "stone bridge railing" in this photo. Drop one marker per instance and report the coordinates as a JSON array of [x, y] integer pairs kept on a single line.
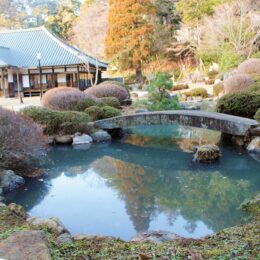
[[227, 124]]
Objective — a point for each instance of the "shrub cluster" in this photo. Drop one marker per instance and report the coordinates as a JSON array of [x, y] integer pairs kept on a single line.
[[197, 92], [109, 101], [85, 103], [63, 98], [108, 90], [180, 87], [237, 83], [244, 104], [98, 113], [22, 143], [59, 122], [257, 115], [250, 66]]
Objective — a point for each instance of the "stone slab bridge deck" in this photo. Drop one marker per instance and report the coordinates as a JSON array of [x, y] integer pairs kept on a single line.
[[227, 124]]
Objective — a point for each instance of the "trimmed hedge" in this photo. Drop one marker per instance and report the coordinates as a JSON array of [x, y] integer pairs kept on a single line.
[[197, 92], [180, 87], [244, 104], [98, 113], [250, 66], [85, 103], [109, 101], [218, 89], [64, 98], [59, 122]]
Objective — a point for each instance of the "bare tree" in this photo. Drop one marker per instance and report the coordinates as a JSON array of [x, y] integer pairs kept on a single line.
[[233, 23]]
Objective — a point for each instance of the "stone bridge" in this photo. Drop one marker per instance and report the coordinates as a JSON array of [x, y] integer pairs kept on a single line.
[[227, 124]]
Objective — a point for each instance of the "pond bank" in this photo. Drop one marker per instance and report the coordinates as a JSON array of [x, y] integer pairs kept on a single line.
[[241, 241]]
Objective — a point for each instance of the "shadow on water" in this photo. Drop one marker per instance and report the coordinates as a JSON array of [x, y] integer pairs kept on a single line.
[[145, 182]]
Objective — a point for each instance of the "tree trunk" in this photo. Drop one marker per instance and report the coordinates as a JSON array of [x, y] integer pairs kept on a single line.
[[139, 74]]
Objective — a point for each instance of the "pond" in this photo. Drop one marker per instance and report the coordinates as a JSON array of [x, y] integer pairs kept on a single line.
[[147, 181]]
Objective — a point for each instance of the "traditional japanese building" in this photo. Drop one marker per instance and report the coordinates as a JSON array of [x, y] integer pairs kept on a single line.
[[35, 59]]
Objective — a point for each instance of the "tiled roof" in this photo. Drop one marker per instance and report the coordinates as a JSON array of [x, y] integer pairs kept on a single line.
[[23, 45]]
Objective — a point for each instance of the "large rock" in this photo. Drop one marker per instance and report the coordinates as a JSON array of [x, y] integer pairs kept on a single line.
[[254, 146], [64, 238], [83, 139], [25, 245], [52, 223], [9, 181], [207, 153], [63, 139], [155, 237], [101, 136], [18, 210]]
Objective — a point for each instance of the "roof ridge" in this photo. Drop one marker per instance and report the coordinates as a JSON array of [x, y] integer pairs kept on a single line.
[[23, 30]]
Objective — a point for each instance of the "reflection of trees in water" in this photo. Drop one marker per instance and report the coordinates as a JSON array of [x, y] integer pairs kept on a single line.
[[185, 137], [196, 195], [135, 187]]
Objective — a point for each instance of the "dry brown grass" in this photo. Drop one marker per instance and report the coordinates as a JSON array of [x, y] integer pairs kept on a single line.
[[63, 98], [22, 143], [250, 66], [237, 83]]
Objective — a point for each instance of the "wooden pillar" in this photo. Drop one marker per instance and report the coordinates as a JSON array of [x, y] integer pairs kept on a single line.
[[19, 87], [78, 76], [53, 78], [3, 82]]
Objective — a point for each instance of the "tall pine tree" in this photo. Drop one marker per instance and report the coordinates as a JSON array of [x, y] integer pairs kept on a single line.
[[130, 36]]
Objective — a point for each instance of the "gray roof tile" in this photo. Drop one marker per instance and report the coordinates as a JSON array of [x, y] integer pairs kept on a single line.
[[22, 46]]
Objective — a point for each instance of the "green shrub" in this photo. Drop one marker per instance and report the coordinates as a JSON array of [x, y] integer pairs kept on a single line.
[[159, 98], [257, 115], [218, 89], [95, 112], [180, 87], [58, 122], [85, 103], [108, 112], [197, 92], [110, 101], [244, 104]]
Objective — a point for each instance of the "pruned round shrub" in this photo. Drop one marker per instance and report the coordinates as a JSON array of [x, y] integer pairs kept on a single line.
[[63, 98], [59, 122], [237, 83], [95, 112], [108, 90], [22, 143], [250, 66], [108, 112], [113, 82], [244, 104], [85, 103], [197, 92], [180, 87], [109, 101], [257, 115]]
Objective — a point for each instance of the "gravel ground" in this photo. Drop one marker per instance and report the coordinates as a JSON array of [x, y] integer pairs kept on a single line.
[[14, 103]]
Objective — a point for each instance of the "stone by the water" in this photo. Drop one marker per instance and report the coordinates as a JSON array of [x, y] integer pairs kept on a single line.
[[9, 181], [207, 153], [18, 210], [101, 136], [63, 139], [64, 238], [83, 139], [155, 237], [254, 146], [25, 245]]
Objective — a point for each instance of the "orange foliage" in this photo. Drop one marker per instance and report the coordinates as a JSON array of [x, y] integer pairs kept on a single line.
[[129, 39]]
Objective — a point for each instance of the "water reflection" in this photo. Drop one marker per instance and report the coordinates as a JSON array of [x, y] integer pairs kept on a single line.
[[124, 188]]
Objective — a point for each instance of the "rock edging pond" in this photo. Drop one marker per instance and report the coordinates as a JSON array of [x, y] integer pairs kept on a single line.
[[52, 241]]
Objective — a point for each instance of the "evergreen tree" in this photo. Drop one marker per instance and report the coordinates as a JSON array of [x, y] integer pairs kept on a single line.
[[130, 36]]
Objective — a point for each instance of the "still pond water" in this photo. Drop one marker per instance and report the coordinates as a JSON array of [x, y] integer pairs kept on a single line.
[[145, 182]]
